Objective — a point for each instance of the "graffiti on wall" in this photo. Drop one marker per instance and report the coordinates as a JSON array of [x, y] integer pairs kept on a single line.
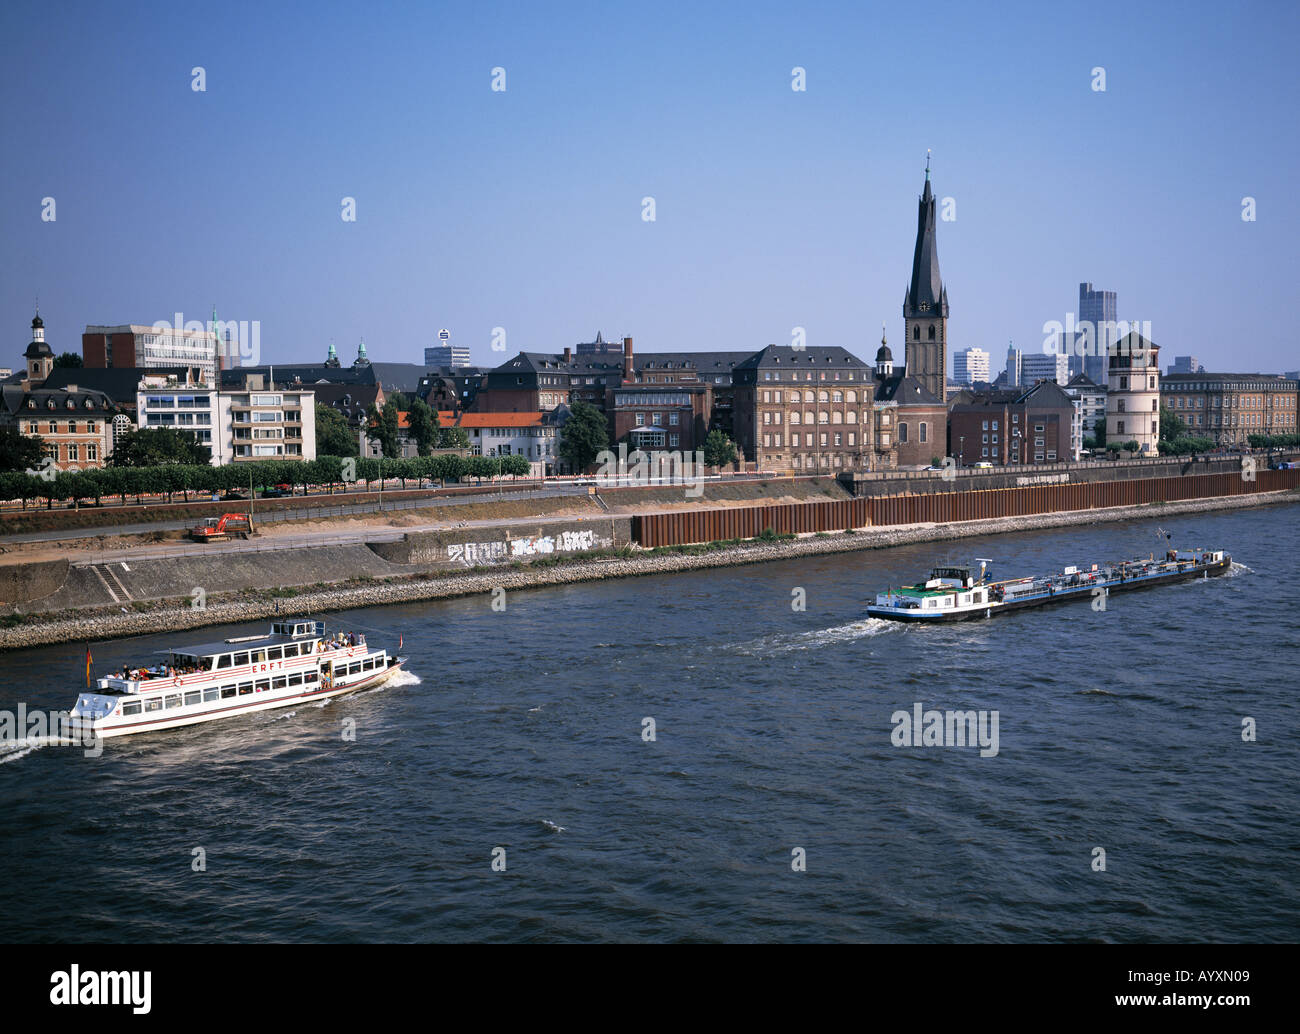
[[472, 553]]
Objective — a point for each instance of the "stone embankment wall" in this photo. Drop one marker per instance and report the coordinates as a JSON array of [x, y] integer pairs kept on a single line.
[[472, 547], [510, 577]]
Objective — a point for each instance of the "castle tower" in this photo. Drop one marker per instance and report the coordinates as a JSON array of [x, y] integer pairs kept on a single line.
[[925, 306]]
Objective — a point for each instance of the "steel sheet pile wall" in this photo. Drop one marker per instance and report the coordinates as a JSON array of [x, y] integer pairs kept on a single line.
[[672, 529]]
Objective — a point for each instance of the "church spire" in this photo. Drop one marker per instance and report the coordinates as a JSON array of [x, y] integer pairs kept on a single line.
[[925, 292]]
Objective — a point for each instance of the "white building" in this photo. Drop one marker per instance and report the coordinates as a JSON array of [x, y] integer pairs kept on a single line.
[[238, 425], [970, 366], [531, 435], [1015, 359], [454, 356], [1047, 366], [1091, 399], [1133, 402]]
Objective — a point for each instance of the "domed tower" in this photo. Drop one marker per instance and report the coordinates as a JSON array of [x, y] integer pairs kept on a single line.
[[40, 359], [361, 359], [884, 359], [332, 360]]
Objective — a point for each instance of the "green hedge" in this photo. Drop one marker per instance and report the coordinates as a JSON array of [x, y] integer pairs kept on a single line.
[[124, 482]]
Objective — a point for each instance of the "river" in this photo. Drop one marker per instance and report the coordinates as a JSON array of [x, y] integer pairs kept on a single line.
[[771, 802]]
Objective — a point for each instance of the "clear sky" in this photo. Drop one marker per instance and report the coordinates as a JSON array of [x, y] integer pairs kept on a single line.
[[774, 208]]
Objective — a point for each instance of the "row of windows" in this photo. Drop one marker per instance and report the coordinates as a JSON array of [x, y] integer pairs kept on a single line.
[[1280, 400], [798, 439], [775, 375], [822, 396], [262, 655], [194, 696], [835, 416], [74, 452], [71, 427], [1155, 427], [657, 419]]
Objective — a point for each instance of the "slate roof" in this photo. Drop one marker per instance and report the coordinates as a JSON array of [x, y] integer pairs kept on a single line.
[[906, 391], [926, 286]]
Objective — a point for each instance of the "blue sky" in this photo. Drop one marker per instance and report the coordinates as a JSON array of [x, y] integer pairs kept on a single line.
[[522, 209]]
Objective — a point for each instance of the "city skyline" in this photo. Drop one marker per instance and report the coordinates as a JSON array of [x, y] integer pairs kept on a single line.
[[775, 209]]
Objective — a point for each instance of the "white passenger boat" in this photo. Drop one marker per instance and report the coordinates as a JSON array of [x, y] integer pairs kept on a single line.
[[296, 662]]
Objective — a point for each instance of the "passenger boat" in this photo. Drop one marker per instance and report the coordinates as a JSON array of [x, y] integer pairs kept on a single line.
[[294, 663], [955, 594]]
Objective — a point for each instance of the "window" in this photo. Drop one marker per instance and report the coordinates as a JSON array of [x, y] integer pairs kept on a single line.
[[263, 685], [640, 420], [211, 693], [173, 700], [241, 658], [273, 653], [227, 692], [193, 696], [923, 433], [902, 434], [92, 453], [245, 688], [131, 708]]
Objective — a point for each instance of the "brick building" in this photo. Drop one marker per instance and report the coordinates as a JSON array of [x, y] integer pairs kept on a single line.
[[1230, 407]]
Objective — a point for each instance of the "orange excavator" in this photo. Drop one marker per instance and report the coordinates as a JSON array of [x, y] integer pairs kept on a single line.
[[227, 526]]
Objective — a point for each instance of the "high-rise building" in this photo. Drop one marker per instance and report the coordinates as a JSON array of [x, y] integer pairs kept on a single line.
[[1186, 364], [1051, 366], [1015, 359], [133, 345], [970, 366], [925, 306], [1097, 309], [599, 347], [449, 355]]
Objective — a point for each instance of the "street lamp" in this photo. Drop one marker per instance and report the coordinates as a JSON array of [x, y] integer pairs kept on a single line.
[[961, 450]]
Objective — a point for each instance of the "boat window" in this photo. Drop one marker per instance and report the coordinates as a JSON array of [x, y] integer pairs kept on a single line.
[[280, 683], [263, 685], [245, 688], [227, 692], [210, 693], [131, 708], [273, 653], [258, 656], [193, 697], [295, 680], [241, 658], [223, 661], [153, 705], [309, 677], [173, 700], [291, 650]]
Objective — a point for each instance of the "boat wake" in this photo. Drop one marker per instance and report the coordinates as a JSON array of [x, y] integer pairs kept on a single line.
[[19, 749], [1237, 569], [816, 639]]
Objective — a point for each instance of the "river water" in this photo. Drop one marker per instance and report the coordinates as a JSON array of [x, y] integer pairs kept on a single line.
[[524, 729]]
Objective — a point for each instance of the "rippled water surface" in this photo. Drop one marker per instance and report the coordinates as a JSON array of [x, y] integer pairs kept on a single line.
[[522, 730]]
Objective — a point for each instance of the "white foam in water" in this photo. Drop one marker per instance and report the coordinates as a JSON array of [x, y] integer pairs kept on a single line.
[[21, 748], [1237, 569], [818, 637]]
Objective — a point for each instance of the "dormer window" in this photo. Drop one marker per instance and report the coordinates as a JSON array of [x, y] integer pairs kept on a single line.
[[31, 403], [90, 404], [50, 404], [72, 403]]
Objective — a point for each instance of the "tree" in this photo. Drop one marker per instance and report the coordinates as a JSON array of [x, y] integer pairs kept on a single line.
[[154, 446], [333, 436], [68, 360], [1172, 426], [20, 452], [382, 427], [583, 437], [422, 425], [719, 450], [453, 438], [1099, 432]]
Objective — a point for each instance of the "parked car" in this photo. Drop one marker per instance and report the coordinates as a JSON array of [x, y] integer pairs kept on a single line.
[[982, 464], [273, 493], [234, 495]]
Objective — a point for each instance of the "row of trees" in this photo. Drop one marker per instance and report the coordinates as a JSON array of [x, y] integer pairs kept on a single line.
[[1274, 441], [180, 478]]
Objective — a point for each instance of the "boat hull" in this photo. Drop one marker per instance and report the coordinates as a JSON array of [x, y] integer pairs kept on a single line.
[[83, 727], [991, 610]]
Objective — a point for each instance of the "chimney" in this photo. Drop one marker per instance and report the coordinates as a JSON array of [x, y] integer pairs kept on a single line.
[[568, 354], [627, 360]]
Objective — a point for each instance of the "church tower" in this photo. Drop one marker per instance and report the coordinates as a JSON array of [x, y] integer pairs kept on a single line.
[[39, 356], [925, 306]]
